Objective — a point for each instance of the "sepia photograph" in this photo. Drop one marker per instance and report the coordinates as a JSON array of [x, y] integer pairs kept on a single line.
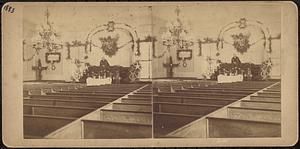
[[152, 74]]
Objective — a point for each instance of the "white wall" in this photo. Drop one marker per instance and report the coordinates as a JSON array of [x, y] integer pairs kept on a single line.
[[74, 22], [206, 20]]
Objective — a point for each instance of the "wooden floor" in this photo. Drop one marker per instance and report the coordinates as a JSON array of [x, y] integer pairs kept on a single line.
[[161, 109]]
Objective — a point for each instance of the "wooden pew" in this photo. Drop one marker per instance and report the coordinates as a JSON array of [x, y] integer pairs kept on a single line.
[[270, 91], [224, 89], [133, 107], [164, 123], [87, 94], [141, 96], [265, 98], [193, 100], [62, 111], [37, 126], [254, 114], [25, 93], [95, 129], [204, 95], [216, 91], [87, 98], [63, 102], [126, 116], [181, 108], [261, 104], [174, 95], [96, 92], [269, 94], [273, 90], [143, 92], [233, 128], [136, 101]]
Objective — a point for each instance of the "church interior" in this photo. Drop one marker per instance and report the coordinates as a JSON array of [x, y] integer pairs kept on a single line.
[[151, 71]]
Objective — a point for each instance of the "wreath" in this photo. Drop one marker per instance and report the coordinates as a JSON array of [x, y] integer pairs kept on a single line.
[[241, 42], [109, 45]]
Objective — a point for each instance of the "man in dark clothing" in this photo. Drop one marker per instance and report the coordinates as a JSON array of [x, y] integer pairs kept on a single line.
[[235, 60], [104, 68], [235, 64]]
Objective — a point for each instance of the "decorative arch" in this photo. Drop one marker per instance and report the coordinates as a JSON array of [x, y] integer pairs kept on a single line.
[[112, 26], [242, 40], [110, 43]]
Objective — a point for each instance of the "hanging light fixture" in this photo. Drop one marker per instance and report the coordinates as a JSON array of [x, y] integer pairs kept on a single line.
[[47, 38], [177, 34]]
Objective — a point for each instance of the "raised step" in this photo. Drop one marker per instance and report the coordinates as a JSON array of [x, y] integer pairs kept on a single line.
[[126, 116], [133, 107], [254, 114], [232, 128], [94, 129]]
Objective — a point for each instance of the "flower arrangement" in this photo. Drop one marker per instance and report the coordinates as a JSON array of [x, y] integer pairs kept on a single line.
[[266, 67], [241, 42], [134, 71]]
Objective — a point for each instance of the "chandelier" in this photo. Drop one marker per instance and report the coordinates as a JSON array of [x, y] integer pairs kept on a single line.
[[47, 37], [177, 34]]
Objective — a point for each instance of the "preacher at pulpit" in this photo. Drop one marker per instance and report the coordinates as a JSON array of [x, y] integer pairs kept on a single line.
[[104, 67], [235, 60]]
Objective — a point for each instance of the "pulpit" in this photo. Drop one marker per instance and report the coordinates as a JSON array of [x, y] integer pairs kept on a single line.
[[97, 81], [249, 71], [230, 79], [116, 74]]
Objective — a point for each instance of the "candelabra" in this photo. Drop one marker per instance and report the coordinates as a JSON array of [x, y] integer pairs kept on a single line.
[[177, 34], [47, 37]]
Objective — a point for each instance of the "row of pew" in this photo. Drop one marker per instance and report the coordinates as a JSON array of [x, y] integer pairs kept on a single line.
[[57, 107], [257, 115], [173, 110], [128, 117]]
